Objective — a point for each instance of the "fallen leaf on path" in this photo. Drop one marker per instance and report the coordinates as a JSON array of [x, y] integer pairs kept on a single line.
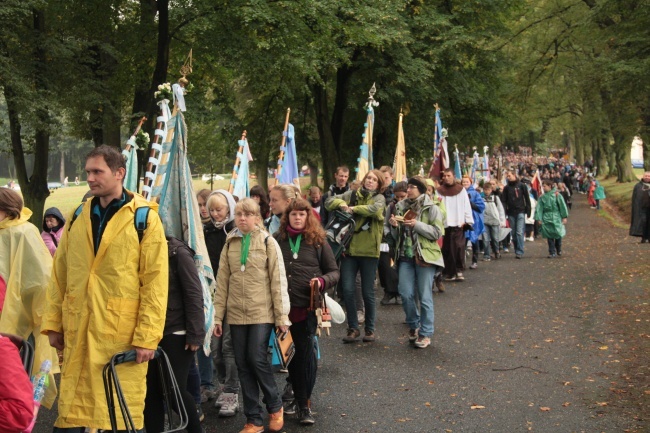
[[566, 404], [545, 409], [427, 404], [604, 403], [476, 406], [603, 347]]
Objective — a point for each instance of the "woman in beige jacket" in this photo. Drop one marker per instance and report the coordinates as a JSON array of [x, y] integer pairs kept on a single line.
[[252, 291]]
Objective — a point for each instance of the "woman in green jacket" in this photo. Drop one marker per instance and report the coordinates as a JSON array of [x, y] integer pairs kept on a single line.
[[551, 213], [367, 204]]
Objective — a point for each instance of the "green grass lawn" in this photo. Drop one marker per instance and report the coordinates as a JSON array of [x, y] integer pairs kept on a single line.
[[620, 194]]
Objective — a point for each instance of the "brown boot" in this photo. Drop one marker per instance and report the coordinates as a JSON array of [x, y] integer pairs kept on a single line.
[[276, 421]]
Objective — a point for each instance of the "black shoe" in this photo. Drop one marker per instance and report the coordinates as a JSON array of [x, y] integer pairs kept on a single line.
[[200, 413], [517, 256], [398, 299], [306, 417], [290, 407]]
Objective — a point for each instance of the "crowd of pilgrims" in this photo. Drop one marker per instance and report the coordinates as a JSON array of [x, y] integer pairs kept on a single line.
[[268, 252]]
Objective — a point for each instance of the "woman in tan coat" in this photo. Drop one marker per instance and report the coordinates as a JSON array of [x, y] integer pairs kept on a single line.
[[252, 291]]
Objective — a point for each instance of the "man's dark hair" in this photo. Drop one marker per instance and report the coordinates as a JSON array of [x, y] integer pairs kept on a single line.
[[449, 170], [399, 187], [111, 155]]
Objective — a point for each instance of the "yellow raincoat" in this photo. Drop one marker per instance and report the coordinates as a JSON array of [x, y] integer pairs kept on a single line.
[[26, 264], [105, 304]]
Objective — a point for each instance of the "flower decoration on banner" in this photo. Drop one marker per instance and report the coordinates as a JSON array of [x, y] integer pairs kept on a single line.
[[142, 139], [164, 92]]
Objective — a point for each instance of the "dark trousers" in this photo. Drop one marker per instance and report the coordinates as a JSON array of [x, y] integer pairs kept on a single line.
[[475, 251], [303, 366], [194, 381], [554, 246], [180, 360], [250, 343], [646, 228], [491, 240], [387, 275], [453, 250]]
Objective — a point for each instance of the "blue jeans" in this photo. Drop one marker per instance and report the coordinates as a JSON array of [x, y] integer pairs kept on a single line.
[[491, 235], [205, 370], [518, 225], [225, 362], [350, 265], [250, 343], [410, 276]]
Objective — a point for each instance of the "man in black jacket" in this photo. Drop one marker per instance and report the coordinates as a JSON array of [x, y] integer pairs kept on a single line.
[[516, 204]]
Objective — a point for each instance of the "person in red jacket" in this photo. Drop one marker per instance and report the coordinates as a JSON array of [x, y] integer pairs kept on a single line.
[[17, 394]]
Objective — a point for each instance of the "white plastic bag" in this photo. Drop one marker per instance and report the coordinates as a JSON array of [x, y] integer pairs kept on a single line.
[[338, 315]]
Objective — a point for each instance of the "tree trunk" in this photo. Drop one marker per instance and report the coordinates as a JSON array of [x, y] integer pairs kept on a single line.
[[343, 75], [35, 191], [331, 157], [313, 172], [579, 145], [62, 167]]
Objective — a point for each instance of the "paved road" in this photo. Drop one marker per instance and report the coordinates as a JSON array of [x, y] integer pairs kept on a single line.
[[541, 345]]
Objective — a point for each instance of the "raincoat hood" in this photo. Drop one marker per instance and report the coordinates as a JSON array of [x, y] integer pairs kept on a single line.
[[231, 204], [56, 214], [25, 215]]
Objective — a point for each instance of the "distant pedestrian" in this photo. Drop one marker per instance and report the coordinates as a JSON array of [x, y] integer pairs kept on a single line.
[[640, 225], [599, 193]]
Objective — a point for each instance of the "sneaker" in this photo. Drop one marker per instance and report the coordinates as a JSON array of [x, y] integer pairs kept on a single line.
[[370, 337], [473, 266], [559, 253], [200, 413], [460, 277], [230, 405], [290, 407], [276, 421], [517, 256], [287, 393], [208, 394], [532, 239], [551, 256], [361, 316], [387, 299], [497, 256], [306, 417], [220, 400], [353, 335], [398, 299], [486, 259], [422, 342], [413, 335], [252, 428], [450, 279], [506, 250]]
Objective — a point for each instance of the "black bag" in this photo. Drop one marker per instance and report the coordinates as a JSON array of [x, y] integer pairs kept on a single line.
[[339, 231]]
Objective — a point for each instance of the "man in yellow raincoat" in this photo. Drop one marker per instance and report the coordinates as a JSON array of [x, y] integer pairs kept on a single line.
[[108, 294], [25, 265]]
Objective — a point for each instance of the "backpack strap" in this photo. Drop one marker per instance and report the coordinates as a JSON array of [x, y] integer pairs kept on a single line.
[[77, 212], [140, 220]]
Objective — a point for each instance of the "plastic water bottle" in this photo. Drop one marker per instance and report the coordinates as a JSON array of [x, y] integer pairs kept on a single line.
[[40, 382]]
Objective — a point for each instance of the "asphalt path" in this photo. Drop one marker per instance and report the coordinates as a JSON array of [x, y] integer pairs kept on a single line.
[[540, 345]]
